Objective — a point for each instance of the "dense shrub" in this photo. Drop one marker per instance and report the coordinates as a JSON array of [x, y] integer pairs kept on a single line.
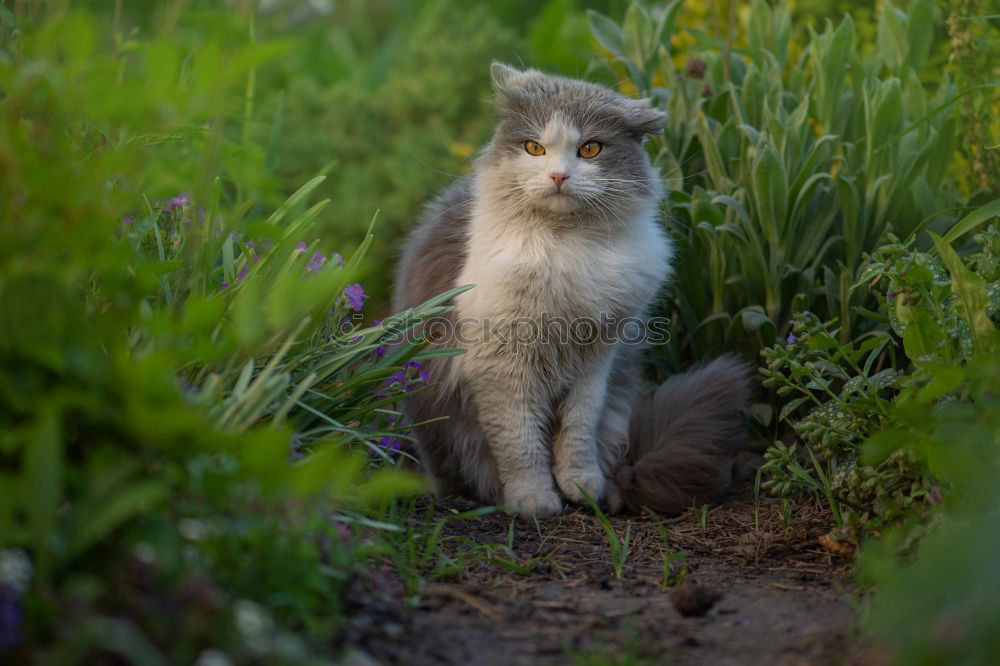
[[785, 170], [190, 409], [818, 191]]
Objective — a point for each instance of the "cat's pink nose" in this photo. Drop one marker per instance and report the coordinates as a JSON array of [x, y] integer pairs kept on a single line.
[[558, 178]]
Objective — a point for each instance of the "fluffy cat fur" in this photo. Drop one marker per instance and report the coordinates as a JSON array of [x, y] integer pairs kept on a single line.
[[557, 235]]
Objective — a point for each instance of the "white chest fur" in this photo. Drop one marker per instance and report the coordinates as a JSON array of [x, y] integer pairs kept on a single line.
[[529, 269]]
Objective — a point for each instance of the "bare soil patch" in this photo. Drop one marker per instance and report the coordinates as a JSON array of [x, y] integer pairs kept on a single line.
[[781, 598]]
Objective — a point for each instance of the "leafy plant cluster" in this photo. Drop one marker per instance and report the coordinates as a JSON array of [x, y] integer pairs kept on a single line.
[[196, 426], [395, 96], [899, 431], [943, 313], [787, 162], [819, 189]]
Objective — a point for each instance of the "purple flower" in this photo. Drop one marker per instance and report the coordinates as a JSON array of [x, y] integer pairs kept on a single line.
[[127, 219], [242, 274], [390, 445], [232, 234], [791, 339], [11, 617], [343, 531], [295, 447], [180, 201], [337, 259], [301, 247], [355, 296], [316, 262], [224, 286], [380, 350]]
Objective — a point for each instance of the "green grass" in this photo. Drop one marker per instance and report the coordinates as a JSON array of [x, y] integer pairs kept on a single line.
[[630, 654], [668, 576], [618, 547]]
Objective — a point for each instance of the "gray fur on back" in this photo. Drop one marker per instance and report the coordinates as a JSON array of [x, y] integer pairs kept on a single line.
[[530, 419]]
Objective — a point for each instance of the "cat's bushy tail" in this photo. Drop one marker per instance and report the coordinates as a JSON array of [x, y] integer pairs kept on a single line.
[[684, 438]]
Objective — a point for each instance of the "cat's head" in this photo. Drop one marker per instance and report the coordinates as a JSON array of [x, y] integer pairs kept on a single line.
[[569, 147]]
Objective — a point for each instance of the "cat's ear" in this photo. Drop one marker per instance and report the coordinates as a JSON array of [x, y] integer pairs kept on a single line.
[[504, 77], [645, 118], [508, 85]]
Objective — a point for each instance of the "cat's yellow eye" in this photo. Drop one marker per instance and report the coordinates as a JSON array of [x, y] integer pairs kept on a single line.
[[534, 148], [589, 149]]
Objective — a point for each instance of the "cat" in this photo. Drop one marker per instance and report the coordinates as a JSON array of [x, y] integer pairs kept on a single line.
[[559, 223]]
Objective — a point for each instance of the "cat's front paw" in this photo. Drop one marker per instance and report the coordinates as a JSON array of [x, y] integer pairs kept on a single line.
[[577, 484], [534, 502]]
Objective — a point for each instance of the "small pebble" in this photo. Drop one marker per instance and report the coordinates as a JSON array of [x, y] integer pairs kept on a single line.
[[693, 600]]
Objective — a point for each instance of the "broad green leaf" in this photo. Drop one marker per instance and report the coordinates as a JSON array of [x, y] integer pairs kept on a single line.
[[43, 473], [892, 43], [790, 408], [973, 300], [716, 168], [759, 323], [97, 520], [300, 195], [984, 213], [919, 32], [922, 336], [770, 188], [637, 30], [607, 33], [888, 111]]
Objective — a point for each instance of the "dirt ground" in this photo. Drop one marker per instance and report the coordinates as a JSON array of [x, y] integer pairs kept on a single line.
[[782, 599]]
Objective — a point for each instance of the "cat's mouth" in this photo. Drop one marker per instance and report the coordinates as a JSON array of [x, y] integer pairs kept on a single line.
[[561, 201]]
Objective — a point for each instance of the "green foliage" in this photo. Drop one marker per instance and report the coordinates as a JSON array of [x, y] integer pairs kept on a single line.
[[619, 547], [939, 608], [420, 552], [669, 578], [902, 434], [837, 396], [974, 44], [198, 429], [395, 95], [784, 171], [182, 404], [631, 653]]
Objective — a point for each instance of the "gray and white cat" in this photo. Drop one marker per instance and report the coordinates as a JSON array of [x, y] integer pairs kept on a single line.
[[558, 225]]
